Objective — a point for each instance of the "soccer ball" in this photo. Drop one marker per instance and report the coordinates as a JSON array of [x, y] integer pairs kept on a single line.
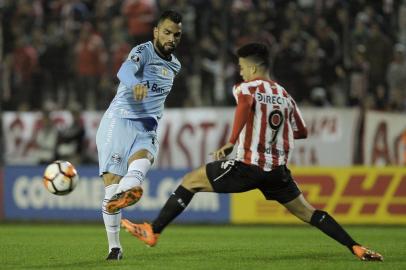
[[60, 177]]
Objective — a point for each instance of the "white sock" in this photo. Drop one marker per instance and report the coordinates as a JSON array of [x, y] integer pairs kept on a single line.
[[111, 221], [135, 174]]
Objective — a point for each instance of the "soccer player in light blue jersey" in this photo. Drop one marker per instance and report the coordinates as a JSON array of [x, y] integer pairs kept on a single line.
[[126, 139]]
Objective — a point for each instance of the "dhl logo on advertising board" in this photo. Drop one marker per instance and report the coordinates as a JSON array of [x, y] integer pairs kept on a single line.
[[358, 195]]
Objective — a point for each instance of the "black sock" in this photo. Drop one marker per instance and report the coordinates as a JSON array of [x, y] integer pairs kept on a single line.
[[327, 224], [177, 202]]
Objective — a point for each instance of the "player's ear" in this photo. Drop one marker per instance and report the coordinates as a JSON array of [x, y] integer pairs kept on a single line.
[[253, 69], [155, 32]]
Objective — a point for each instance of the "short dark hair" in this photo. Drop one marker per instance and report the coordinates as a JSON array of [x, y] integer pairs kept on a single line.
[[171, 15], [257, 52]]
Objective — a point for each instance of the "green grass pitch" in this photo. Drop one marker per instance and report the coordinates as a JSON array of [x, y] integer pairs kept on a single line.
[[56, 246]]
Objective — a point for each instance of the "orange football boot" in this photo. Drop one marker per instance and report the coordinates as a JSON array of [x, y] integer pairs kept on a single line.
[[143, 232], [366, 254], [124, 199]]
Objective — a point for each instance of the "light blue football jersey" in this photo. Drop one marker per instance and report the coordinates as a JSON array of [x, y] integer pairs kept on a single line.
[[144, 65]]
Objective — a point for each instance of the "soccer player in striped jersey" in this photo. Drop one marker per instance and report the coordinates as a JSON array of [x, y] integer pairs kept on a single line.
[[266, 123], [126, 138]]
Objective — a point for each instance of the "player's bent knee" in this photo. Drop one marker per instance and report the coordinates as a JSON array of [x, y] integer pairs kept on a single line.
[[141, 154], [304, 216], [190, 181], [300, 208], [196, 181], [302, 213]]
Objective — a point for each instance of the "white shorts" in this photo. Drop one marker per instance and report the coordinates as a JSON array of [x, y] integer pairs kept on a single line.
[[117, 139]]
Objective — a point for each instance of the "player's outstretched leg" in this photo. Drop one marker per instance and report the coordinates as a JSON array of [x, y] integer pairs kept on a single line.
[[178, 201], [327, 224], [174, 206]]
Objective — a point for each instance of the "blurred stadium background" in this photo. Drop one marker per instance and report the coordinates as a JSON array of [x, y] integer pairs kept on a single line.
[[343, 61]]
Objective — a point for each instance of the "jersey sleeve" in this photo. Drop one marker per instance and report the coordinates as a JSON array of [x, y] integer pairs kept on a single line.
[[136, 60], [244, 101], [236, 91], [177, 66], [297, 122]]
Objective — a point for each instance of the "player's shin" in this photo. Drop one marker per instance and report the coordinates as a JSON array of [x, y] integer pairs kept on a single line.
[[327, 224], [135, 175], [111, 220], [177, 202]]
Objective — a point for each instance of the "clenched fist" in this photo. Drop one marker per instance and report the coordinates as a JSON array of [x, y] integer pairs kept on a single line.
[[140, 92]]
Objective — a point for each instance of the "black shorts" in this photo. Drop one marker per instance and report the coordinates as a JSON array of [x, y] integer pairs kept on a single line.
[[231, 176]]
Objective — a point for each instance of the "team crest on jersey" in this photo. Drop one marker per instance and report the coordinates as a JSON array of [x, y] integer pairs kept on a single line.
[[116, 158], [165, 72]]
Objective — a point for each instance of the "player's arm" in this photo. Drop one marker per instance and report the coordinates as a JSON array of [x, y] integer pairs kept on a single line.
[[298, 124], [241, 116], [137, 58], [244, 104]]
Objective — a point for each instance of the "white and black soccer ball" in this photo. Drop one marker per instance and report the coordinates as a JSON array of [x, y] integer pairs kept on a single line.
[[60, 177]]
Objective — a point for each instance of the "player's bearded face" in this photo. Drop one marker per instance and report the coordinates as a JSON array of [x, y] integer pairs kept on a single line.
[[167, 36]]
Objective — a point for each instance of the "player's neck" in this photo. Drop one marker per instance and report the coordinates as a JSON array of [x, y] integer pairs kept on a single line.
[[260, 76], [160, 54]]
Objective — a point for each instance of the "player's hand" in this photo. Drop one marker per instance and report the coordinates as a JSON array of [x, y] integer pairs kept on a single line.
[[140, 92], [223, 152]]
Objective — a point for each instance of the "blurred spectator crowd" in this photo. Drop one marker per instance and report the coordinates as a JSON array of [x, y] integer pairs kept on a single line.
[[324, 52]]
